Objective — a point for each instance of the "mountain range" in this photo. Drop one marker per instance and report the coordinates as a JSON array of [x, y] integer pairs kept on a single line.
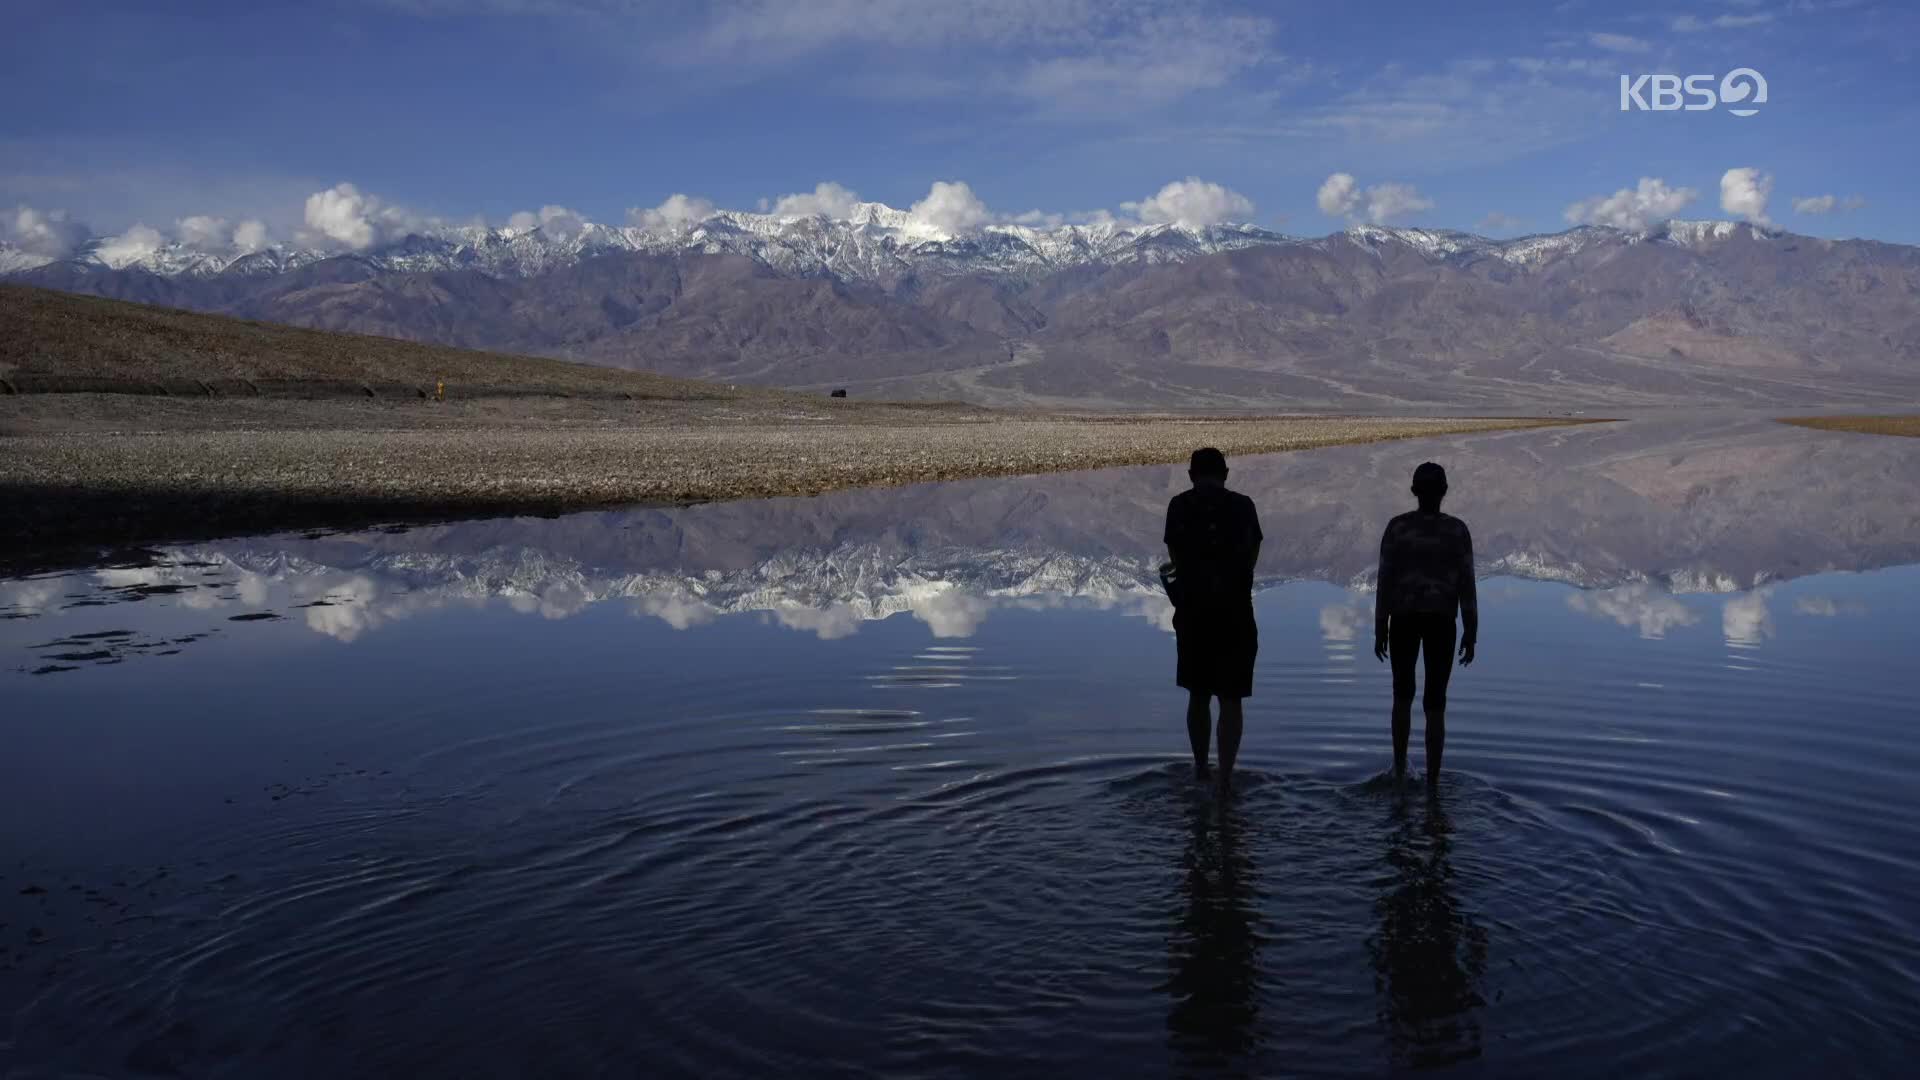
[[1107, 313]]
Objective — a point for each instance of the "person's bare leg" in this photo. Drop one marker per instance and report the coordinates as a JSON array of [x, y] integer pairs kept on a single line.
[[1199, 726], [1402, 732], [1436, 744], [1230, 727]]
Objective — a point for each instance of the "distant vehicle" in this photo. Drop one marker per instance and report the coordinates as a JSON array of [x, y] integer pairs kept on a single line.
[[838, 393]]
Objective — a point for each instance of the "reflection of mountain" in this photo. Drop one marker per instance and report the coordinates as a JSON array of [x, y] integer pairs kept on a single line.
[[1682, 503], [827, 593]]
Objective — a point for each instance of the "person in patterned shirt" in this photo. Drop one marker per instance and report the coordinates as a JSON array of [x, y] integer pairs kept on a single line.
[[1426, 577]]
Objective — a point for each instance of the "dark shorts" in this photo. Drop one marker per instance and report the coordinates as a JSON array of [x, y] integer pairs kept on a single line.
[[1411, 635], [1216, 650]]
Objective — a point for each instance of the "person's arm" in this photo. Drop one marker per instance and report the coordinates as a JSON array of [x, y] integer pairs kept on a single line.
[[1382, 595], [1469, 600]]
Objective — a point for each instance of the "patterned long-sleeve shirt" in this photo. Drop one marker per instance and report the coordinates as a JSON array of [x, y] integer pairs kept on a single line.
[[1426, 566]]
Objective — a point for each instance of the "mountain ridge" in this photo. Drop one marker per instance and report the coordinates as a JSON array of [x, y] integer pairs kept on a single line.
[[1111, 314]]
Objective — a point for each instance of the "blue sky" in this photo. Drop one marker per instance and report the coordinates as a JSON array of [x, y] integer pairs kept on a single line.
[[1495, 117]]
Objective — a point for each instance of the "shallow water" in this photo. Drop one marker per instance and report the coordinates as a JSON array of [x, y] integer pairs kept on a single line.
[[894, 783]]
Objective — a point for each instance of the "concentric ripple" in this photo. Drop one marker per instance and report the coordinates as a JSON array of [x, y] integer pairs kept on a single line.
[[764, 854]]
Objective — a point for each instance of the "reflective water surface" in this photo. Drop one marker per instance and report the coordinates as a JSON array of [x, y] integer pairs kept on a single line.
[[894, 783]]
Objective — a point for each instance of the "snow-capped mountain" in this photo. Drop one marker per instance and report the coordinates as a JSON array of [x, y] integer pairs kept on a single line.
[[882, 301], [874, 243]]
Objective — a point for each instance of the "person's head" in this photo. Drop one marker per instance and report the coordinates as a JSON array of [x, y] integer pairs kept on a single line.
[[1207, 468], [1430, 485]]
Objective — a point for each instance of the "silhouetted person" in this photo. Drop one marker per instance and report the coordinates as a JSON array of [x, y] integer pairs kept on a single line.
[[1213, 537], [1426, 576]]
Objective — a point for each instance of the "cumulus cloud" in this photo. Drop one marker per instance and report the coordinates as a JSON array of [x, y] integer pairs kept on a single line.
[[1744, 191], [1340, 195], [250, 235], [1634, 209], [344, 216], [1388, 201], [677, 214], [1827, 204], [1496, 221], [827, 199], [951, 207], [1622, 43], [1639, 607], [1192, 203], [553, 220], [203, 232], [49, 233], [137, 243]]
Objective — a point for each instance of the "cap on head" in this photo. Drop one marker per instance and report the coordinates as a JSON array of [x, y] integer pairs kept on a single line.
[[1429, 479], [1207, 461]]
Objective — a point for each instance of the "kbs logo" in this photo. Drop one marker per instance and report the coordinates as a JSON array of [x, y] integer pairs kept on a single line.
[[1742, 87]]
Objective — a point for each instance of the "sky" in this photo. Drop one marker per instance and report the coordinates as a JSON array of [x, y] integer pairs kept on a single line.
[[340, 122]]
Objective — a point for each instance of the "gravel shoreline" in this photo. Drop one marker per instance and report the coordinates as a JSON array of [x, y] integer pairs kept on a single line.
[[78, 476]]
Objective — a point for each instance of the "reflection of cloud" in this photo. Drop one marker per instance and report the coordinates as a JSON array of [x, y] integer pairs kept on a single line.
[[1828, 607], [1745, 619], [677, 610], [1639, 606], [951, 612], [1342, 622], [556, 601], [28, 597], [828, 624], [349, 611]]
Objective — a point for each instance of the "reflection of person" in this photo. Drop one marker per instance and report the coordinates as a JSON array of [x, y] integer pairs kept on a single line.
[[1213, 537], [1430, 954], [1426, 575], [1210, 1022]]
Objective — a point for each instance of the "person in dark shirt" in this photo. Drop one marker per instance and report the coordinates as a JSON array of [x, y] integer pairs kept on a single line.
[[1213, 539], [1426, 576]]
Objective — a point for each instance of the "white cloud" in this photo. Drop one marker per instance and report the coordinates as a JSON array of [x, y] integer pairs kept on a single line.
[[344, 216], [1622, 43], [1340, 195], [1827, 204], [951, 207], [202, 232], [137, 243], [827, 199], [1191, 203], [677, 214], [1634, 209], [1639, 607], [50, 233], [1693, 24], [1388, 201], [1495, 221], [550, 219], [250, 235], [1744, 191]]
